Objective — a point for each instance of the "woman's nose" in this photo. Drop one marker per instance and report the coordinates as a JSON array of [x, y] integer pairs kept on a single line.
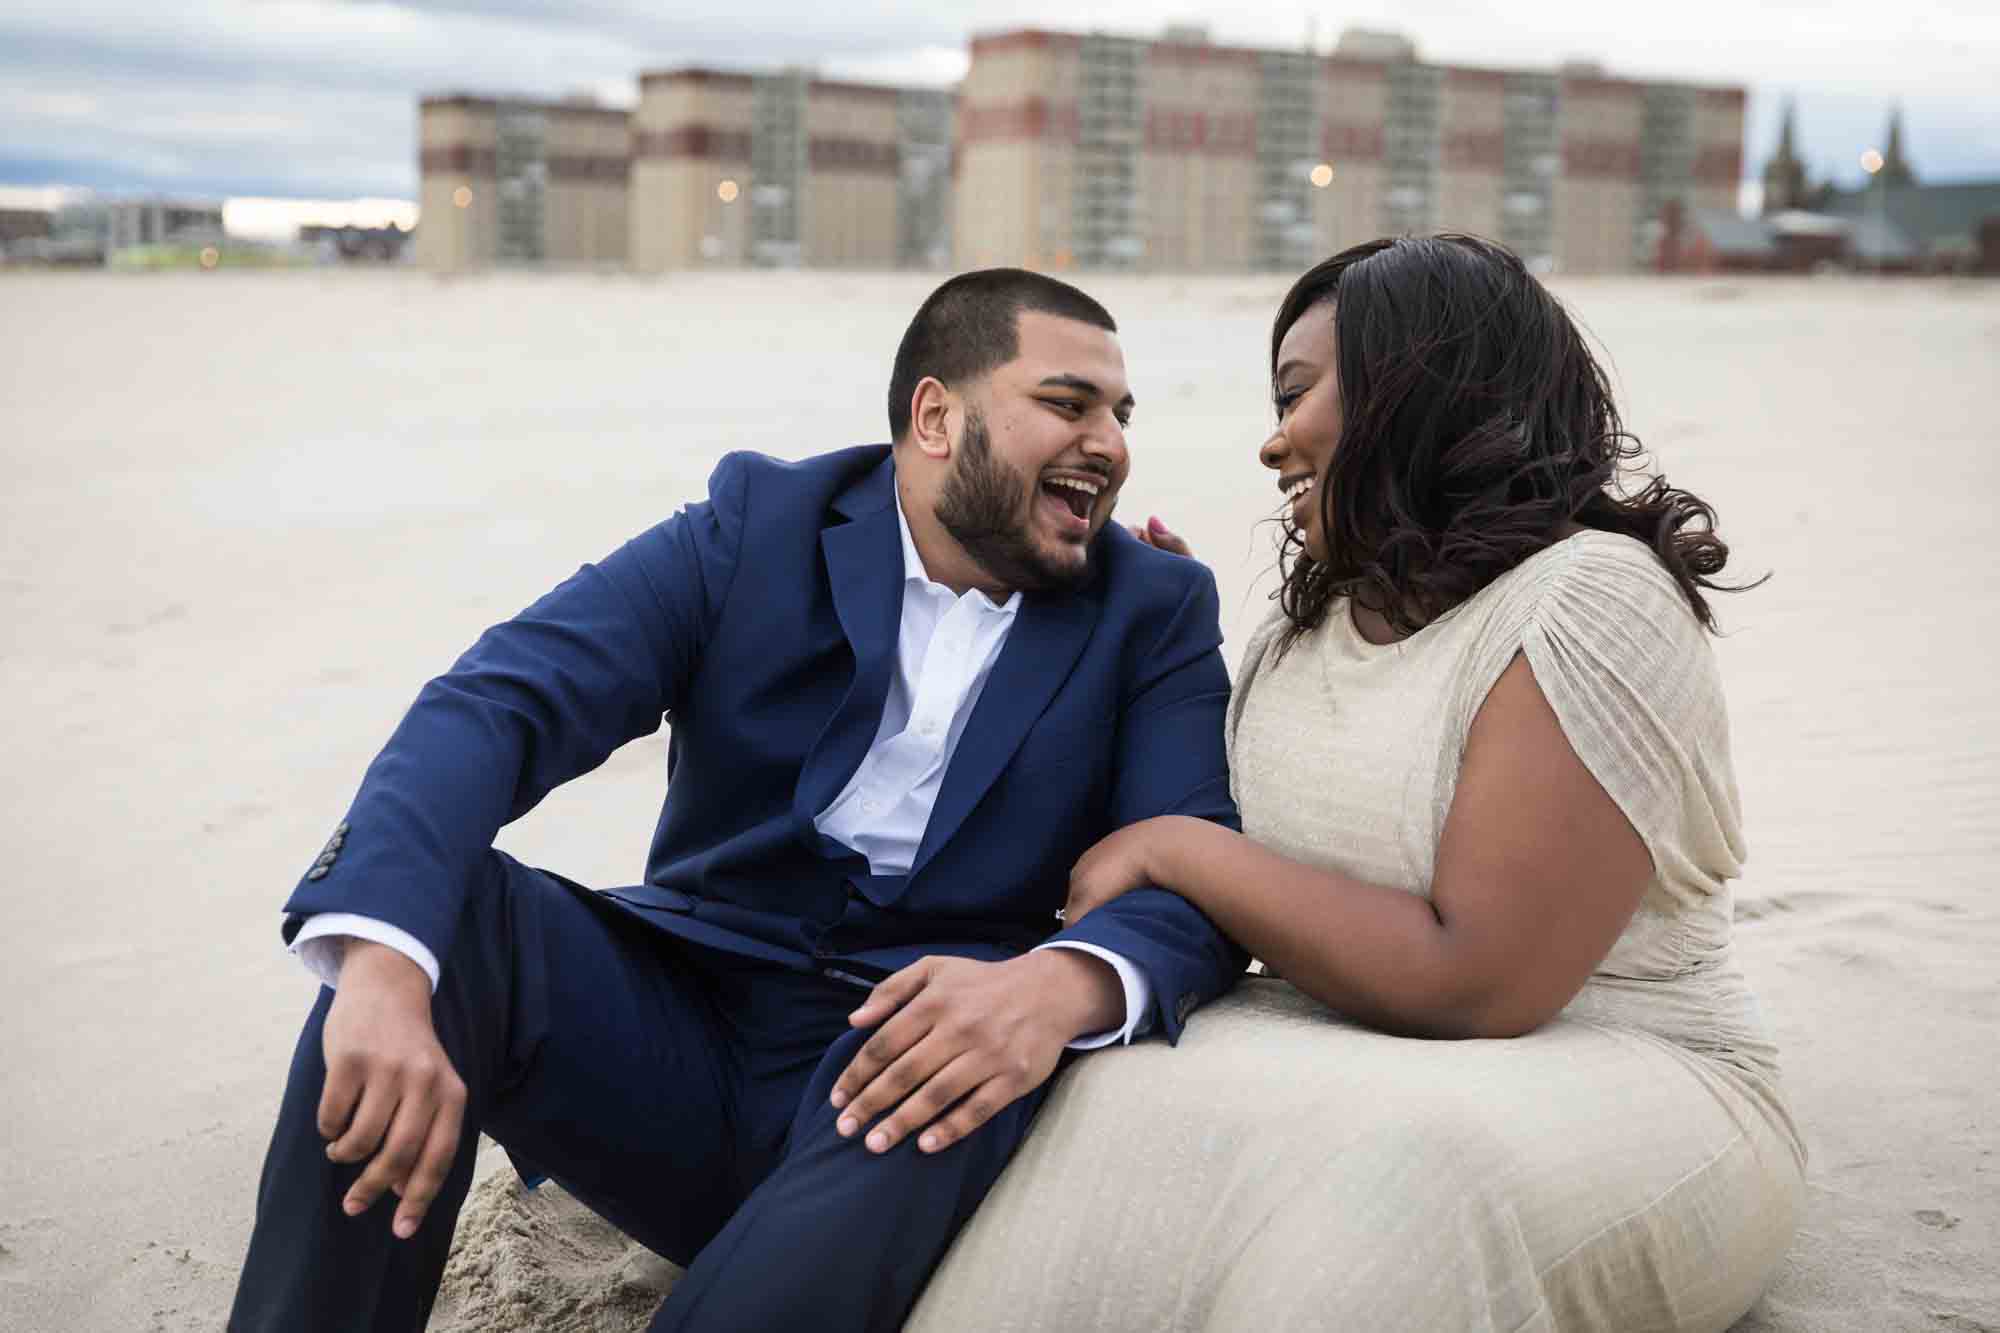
[[1272, 453]]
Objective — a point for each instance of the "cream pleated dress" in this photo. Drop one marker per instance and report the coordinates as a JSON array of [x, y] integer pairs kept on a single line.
[[1629, 1166]]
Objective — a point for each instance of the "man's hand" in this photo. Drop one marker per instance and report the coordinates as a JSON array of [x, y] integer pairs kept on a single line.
[[968, 1038], [391, 1093]]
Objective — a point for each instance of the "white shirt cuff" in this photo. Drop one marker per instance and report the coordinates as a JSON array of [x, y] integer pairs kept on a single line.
[[1138, 995], [322, 942]]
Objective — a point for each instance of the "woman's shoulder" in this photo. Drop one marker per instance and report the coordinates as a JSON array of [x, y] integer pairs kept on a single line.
[[1598, 587], [1607, 632], [1592, 563]]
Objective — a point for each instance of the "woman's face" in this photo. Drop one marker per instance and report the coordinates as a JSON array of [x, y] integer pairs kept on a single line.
[[1307, 396]]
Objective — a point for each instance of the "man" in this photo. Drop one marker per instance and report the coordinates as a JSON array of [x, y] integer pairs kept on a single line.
[[907, 686]]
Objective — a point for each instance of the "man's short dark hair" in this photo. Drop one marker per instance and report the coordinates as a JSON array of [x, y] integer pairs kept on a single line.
[[971, 325]]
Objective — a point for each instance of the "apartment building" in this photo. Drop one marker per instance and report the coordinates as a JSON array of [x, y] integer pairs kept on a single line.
[[783, 169], [1097, 151], [513, 182]]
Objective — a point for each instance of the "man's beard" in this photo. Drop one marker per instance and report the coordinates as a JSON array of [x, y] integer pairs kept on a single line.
[[987, 507]]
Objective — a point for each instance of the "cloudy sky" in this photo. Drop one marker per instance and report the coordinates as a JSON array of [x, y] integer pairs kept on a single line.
[[317, 97]]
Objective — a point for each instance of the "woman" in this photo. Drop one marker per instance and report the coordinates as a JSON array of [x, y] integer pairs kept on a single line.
[[1483, 765]]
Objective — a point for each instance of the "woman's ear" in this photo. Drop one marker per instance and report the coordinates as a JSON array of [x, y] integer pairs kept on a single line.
[[931, 408]]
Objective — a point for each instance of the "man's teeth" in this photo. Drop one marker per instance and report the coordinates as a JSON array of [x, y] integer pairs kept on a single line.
[[1090, 488]]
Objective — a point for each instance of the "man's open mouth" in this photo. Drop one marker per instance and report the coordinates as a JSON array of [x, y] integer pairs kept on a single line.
[[1073, 497]]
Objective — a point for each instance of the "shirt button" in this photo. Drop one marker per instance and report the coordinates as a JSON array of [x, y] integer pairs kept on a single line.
[[871, 807]]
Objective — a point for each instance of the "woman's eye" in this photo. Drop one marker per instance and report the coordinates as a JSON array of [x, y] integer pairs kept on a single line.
[[1285, 400]]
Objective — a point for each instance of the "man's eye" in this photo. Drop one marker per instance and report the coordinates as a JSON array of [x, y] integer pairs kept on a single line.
[[1067, 406]]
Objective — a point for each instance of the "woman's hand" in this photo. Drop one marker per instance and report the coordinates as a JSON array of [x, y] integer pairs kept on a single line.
[[1123, 861], [1158, 535]]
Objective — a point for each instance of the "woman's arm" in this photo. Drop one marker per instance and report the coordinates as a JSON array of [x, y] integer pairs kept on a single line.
[[1537, 873]]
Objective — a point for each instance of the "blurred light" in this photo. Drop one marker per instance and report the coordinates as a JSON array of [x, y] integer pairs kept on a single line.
[[1871, 161], [727, 192], [210, 256], [1322, 176], [462, 196]]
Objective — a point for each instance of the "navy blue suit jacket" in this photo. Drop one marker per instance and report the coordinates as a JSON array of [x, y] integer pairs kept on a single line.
[[762, 625]]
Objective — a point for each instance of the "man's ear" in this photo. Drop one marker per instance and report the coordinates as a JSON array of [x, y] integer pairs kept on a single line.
[[931, 407]]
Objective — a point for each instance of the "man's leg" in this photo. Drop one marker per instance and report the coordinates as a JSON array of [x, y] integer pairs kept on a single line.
[[582, 1045], [836, 1237]]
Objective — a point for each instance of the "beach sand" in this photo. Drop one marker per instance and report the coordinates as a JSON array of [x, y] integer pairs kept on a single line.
[[249, 514]]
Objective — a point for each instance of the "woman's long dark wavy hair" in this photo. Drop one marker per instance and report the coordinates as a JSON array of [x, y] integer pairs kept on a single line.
[[1475, 425]]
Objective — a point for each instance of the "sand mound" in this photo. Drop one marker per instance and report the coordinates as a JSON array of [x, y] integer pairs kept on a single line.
[[538, 1259]]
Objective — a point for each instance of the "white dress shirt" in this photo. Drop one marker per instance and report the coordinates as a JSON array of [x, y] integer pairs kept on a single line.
[[945, 650]]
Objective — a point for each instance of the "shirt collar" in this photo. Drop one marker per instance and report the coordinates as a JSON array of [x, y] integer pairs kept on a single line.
[[914, 571]]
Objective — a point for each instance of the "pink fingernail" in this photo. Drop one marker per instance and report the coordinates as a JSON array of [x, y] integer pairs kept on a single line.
[[928, 1143], [878, 1141], [405, 1228], [839, 1099], [847, 1126]]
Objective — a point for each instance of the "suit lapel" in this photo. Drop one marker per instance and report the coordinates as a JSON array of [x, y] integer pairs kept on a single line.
[[1044, 644], [864, 568]]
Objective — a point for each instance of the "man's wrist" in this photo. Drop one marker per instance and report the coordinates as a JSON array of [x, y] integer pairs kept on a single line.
[[376, 964], [1083, 992]]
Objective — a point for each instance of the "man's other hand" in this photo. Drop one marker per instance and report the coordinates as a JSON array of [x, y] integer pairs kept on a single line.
[[960, 1039], [392, 1098]]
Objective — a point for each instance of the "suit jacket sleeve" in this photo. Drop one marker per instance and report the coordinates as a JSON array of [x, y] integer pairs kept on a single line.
[[538, 700], [1171, 761]]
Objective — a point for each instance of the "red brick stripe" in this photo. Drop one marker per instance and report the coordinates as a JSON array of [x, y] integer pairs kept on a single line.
[[692, 143], [840, 154], [1351, 143], [1607, 159], [1028, 118]]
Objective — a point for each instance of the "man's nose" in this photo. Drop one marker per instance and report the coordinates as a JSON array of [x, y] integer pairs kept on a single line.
[[1104, 438]]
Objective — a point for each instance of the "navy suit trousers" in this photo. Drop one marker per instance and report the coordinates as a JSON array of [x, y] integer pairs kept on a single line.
[[679, 1091]]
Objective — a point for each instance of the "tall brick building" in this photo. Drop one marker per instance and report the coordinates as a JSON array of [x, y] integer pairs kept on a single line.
[[783, 169], [1089, 151], [507, 181], [1097, 151]]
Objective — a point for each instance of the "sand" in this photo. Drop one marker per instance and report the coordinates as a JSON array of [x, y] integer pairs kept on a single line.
[[248, 514]]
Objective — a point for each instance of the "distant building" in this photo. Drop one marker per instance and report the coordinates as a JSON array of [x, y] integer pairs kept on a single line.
[[125, 224], [1947, 227], [506, 181], [1916, 229], [1706, 240], [1892, 224], [351, 244], [23, 224], [97, 230], [1098, 151], [1895, 171], [1785, 184], [783, 169]]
